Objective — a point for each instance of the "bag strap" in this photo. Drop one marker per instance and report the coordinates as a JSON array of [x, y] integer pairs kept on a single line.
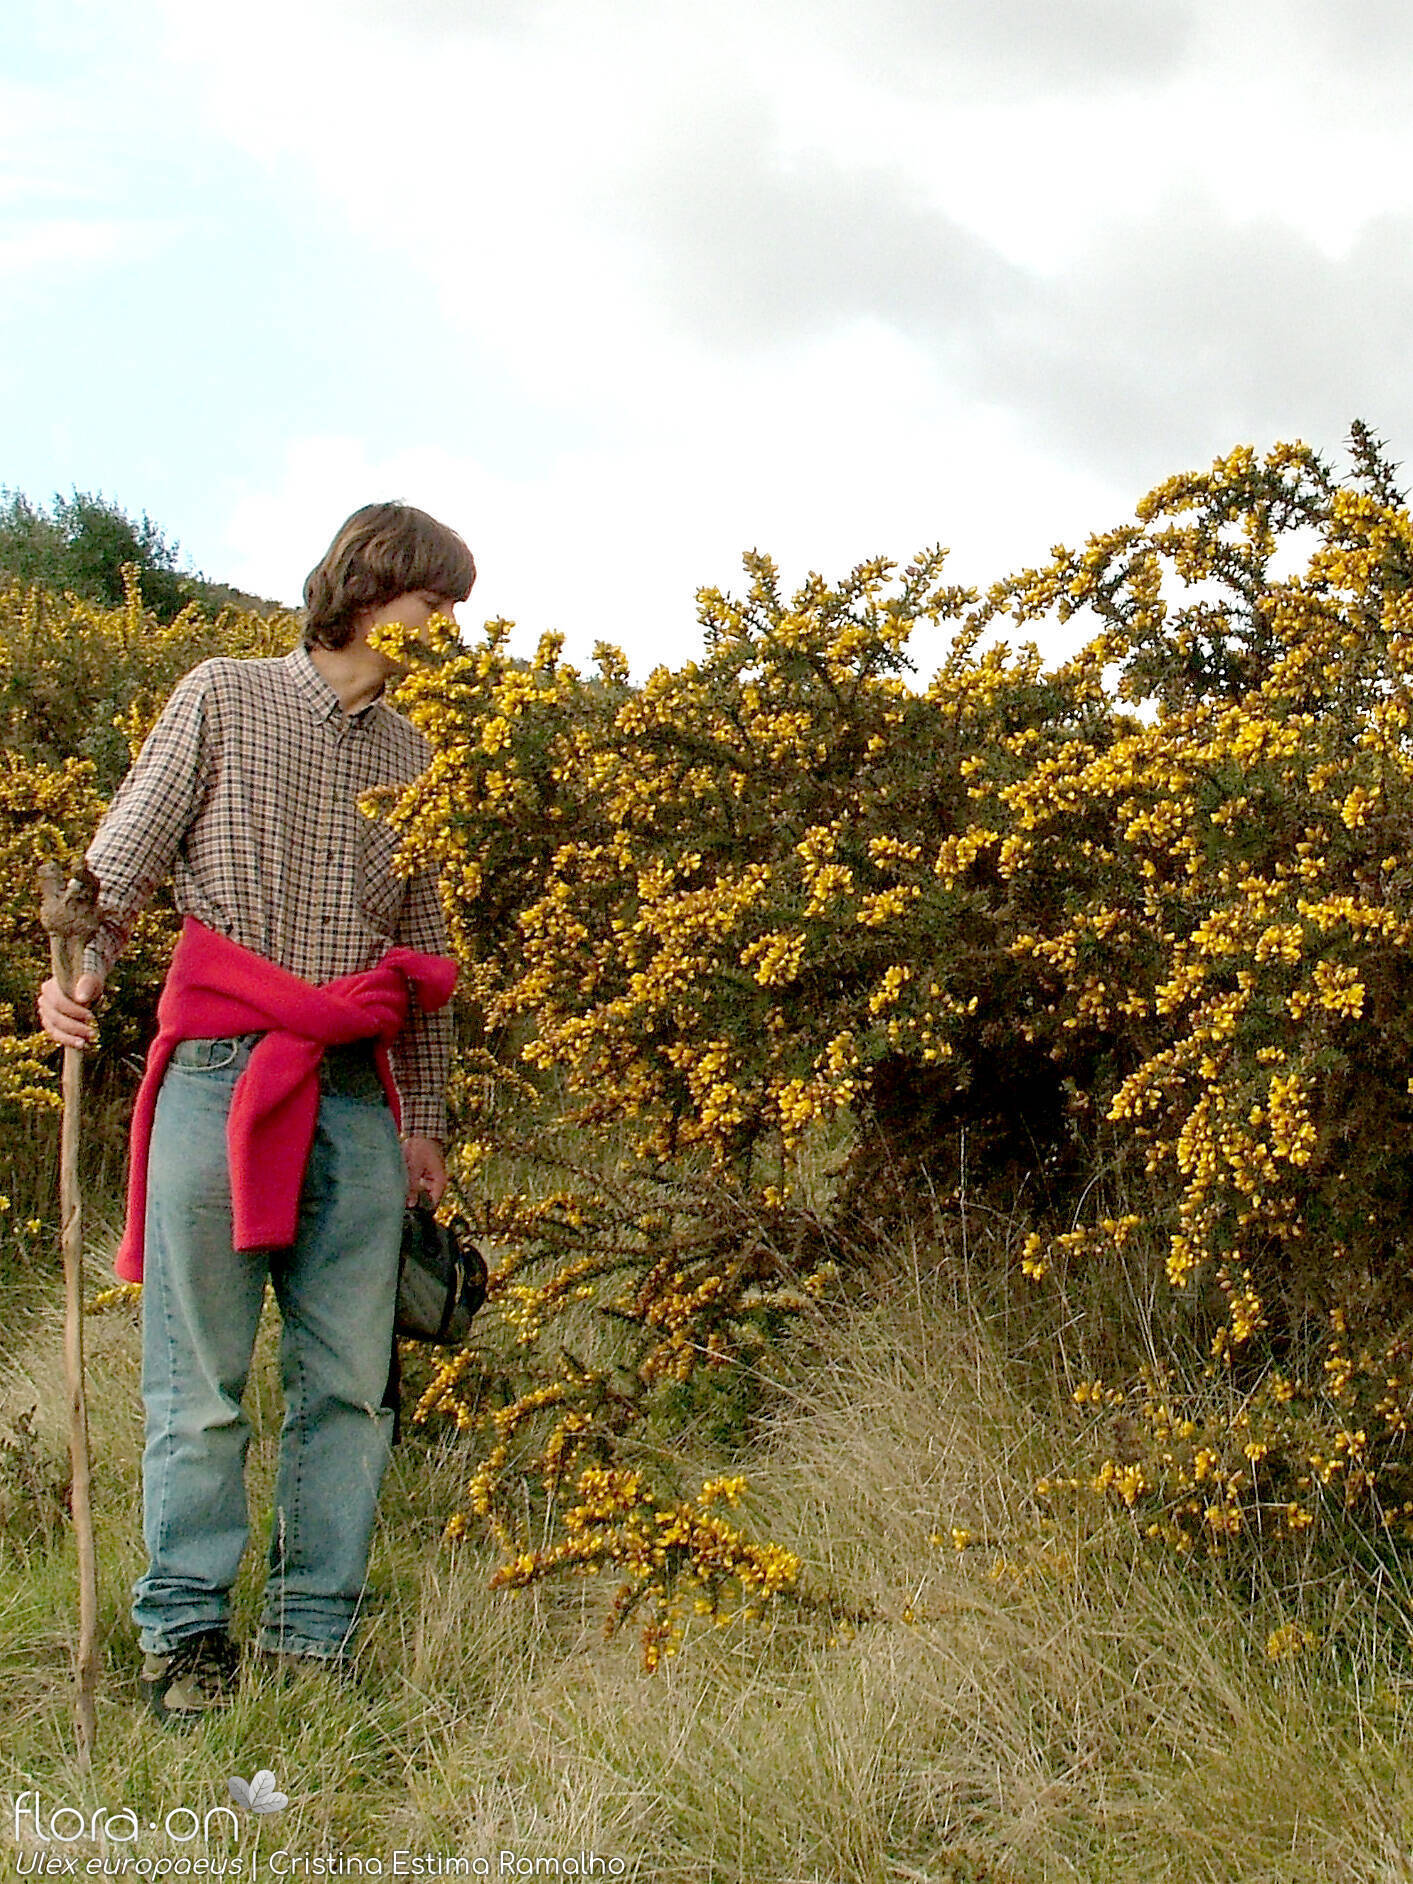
[[454, 1277]]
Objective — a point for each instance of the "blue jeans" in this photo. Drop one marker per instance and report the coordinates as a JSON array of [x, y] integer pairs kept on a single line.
[[336, 1288]]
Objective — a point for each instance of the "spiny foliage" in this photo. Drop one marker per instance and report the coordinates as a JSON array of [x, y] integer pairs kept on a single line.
[[776, 949], [1130, 935]]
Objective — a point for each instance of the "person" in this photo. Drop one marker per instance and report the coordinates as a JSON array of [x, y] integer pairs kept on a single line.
[[305, 1000]]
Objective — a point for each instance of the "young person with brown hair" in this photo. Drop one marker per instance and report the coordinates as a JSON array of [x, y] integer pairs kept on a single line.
[[304, 1013]]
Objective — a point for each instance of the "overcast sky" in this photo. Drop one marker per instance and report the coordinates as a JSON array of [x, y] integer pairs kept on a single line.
[[622, 288]]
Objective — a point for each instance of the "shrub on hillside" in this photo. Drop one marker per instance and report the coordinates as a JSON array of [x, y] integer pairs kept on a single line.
[[85, 544], [1254, 917], [1131, 936], [80, 686], [773, 952]]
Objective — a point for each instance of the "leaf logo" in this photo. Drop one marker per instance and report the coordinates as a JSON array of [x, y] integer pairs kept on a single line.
[[261, 1795]]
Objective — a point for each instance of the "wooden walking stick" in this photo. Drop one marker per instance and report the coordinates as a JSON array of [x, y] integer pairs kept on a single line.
[[69, 913]]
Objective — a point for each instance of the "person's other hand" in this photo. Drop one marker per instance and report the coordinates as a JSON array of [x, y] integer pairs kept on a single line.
[[68, 1018], [426, 1169]]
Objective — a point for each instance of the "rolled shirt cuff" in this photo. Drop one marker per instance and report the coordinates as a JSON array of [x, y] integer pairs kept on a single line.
[[104, 948]]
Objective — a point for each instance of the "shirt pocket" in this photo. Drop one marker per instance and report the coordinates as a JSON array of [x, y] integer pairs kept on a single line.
[[380, 890]]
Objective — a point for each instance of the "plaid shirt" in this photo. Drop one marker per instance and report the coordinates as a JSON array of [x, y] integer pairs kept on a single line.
[[246, 793]]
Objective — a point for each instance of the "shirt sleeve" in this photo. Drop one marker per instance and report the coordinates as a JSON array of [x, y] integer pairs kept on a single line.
[[421, 1054], [141, 833]]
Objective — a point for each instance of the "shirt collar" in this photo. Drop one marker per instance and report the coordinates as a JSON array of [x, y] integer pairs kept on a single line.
[[318, 695]]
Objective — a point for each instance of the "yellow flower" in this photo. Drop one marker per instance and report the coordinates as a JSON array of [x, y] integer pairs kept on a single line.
[[1288, 1641]]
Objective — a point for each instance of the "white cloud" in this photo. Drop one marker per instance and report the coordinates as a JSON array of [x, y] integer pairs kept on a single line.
[[828, 280], [611, 543], [1025, 47], [746, 242], [1187, 330], [33, 247]]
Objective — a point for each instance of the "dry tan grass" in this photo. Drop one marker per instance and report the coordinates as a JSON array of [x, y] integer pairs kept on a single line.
[[1062, 1705]]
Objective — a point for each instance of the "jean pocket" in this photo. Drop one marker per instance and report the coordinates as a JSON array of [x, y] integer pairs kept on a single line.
[[213, 1056]]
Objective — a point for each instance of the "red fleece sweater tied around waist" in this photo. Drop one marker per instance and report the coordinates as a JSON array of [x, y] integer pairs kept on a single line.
[[215, 987]]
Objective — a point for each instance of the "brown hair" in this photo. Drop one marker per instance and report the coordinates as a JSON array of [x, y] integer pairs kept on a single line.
[[382, 551]]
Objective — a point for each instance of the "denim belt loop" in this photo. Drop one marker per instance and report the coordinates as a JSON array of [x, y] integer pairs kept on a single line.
[[216, 1054]]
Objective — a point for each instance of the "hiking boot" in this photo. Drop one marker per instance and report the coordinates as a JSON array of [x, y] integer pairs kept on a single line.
[[289, 1664], [198, 1675]]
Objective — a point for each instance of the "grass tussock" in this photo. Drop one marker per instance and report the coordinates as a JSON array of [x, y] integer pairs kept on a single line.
[[997, 1694]]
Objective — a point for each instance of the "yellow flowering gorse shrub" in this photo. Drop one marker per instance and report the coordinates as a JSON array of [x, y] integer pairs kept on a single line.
[[769, 952], [1245, 938], [709, 924], [1142, 919]]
